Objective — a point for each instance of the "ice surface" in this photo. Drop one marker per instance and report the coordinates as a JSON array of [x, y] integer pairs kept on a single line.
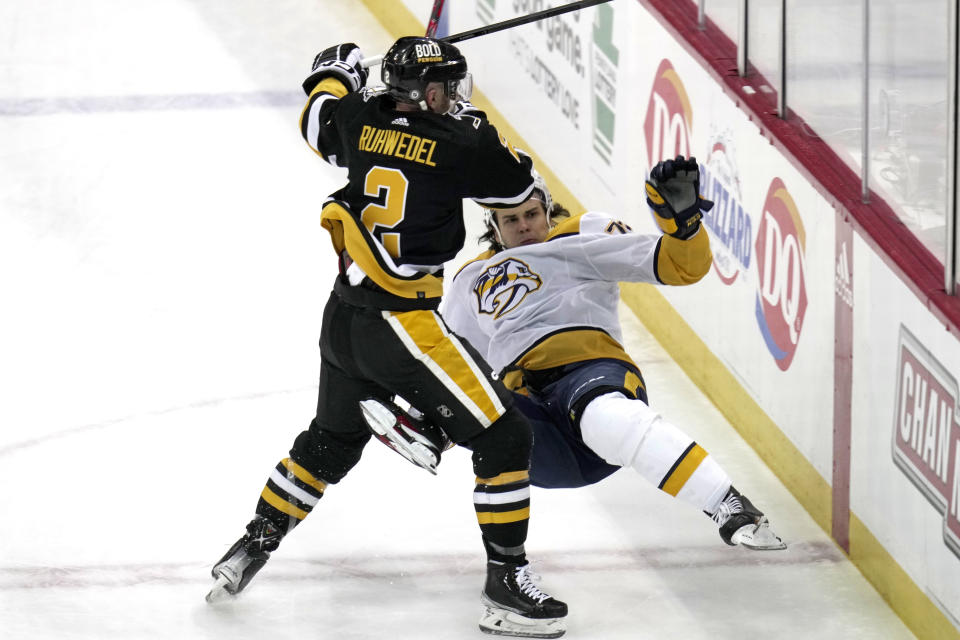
[[164, 272]]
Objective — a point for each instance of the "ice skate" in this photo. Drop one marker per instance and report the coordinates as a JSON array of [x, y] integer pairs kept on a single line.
[[416, 440], [244, 559], [515, 606], [743, 524]]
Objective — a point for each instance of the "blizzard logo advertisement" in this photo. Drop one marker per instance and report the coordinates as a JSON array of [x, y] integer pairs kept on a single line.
[[731, 229], [603, 75], [926, 432], [669, 120], [782, 295]]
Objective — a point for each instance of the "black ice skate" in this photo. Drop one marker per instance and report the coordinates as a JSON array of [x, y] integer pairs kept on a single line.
[[514, 606], [247, 556], [743, 524]]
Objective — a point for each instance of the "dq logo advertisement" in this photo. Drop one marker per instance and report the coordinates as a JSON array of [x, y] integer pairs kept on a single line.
[[782, 293], [926, 432], [669, 120], [780, 245], [731, 228]]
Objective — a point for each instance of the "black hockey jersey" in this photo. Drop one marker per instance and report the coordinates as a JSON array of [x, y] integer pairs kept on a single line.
[[408, 172]]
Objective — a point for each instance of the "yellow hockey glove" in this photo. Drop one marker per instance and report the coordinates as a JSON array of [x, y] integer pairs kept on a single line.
[[673, 192]]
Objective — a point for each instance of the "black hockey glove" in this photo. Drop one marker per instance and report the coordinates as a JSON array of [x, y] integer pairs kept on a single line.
[[464, 108], [673, 192], [341, 61]]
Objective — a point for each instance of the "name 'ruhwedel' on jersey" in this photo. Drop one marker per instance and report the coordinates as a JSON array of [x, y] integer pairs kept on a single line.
[[524, 308], [397, 224], [396, 143]]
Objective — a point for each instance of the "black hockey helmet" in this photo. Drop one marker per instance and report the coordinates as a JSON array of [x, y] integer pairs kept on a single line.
[[414, 61]]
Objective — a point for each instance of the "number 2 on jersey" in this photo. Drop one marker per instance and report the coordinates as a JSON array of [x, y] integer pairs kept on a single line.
[[391, 185]]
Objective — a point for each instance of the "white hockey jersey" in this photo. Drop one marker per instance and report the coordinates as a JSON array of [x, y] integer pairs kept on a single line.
[[554, 303]]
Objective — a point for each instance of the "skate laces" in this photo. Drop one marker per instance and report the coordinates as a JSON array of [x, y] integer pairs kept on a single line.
[[730, 506], [525, 580]]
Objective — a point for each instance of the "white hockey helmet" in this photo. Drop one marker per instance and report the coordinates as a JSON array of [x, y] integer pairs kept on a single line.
[[540, 192]]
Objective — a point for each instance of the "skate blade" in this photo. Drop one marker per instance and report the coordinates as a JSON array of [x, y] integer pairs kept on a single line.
[[758, 537], [377, 416], [381, 420], [500, 622], [219, 593]]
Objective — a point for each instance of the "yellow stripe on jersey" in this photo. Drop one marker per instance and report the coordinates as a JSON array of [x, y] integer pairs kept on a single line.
[[503, 517], [280, 504], [682, 472], [428, 340], [568, 226], [681, 262], [303, 475], [567, 347], [330, 85], [489, 253], [346, 233], [505, 478], [631, 382], [513, 380]]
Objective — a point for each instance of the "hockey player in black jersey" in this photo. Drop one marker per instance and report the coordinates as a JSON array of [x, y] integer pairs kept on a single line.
[[399, 218]]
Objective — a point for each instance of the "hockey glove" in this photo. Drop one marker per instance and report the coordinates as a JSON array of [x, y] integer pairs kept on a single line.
[[464, 108], [673, 192], [340, 61]]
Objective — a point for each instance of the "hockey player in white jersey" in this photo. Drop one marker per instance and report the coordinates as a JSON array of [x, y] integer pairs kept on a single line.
[[541, 305]]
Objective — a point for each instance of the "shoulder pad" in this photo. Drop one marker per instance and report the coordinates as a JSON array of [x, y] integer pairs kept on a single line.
[[568, 226]]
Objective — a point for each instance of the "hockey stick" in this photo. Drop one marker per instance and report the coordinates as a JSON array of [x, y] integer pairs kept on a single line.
[[500, 26], [434, 18]]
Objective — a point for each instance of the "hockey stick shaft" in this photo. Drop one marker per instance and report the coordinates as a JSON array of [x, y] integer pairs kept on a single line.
[[506, 24], [434, 18], [519, 20]]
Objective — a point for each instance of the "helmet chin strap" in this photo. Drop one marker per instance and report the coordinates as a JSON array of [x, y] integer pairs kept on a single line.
[[491, 220], [422, 102]]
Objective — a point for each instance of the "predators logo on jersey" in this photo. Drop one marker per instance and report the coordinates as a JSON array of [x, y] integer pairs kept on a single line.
[[502, 287]]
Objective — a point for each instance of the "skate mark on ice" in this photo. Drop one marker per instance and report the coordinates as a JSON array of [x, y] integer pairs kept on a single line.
[[396, 567], [87, 428]]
